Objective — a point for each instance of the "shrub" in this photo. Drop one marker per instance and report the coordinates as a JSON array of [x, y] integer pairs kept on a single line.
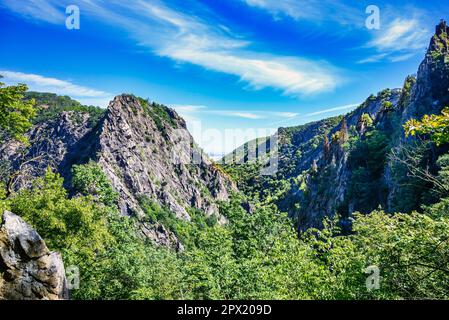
[[89, 179]]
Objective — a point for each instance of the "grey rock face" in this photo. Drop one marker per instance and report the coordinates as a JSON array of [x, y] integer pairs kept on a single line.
[[139, 147], [427, 95], [140, 158], [320, 202], [28, 270], [161, 236], [318, 168], [430, 93], [57, 143]]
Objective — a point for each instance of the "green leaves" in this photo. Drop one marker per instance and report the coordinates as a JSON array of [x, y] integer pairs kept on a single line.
[[435, 125], [367, 120], [50, 106], [367, 161], [89, 179], [15, 114], [411, 250], [75, 227], [76, 224], [387, 105], [255, 255]]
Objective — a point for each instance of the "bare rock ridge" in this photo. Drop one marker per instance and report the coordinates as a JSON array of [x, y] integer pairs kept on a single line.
[[144, 149], [430, 93], [140, 155], [439, 42], [28, 270]]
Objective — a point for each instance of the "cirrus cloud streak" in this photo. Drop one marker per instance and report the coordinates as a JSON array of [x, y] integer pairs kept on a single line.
[[185, 38]]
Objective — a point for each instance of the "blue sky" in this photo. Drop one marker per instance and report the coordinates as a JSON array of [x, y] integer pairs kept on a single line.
[[230, 64]]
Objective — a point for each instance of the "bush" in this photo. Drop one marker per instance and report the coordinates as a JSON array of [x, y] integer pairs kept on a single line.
[[15, 114], [89, 179], [75, 227]]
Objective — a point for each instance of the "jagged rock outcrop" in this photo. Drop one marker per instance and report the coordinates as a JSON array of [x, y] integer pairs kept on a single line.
[[54, 143], [430, 92], [143, 148], [28, 270], [326, 188], [161, 236], [314, 159], [141, 157], [427, 93]]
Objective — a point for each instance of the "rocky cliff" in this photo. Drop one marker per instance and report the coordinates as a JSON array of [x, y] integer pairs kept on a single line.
[[148, 151], [144, 148], [342, 165], [28, 270]]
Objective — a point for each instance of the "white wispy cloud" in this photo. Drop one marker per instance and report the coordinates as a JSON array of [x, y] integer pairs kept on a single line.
[[320, 112], [399, 40], [193, 111], [188, 108], [402, 35], [40, 10], [286, 114], [286, 117], [245, 115], [41, 83], [185, 38], [315, 11], [374, 58], [402, 57]]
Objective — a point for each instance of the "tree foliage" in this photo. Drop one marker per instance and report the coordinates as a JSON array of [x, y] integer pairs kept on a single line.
[[89, 179], [50, 106], [15, 114], [437, 126], [256, 254], [367, 161]]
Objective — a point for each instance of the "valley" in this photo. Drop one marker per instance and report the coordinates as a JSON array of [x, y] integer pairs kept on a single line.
[[102, 190]]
